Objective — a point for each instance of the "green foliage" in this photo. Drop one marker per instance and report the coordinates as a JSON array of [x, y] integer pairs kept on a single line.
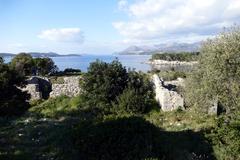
[[26, 65], [12, 99], [44, 66], [72, 70], [218, 73], [23, 64], [225, 138], [171, 75], [181, 56], [132, 101], [56, 107], [1, 60], [189, 119], [56, 80], [137, 97], [103, 83], [108, 86]]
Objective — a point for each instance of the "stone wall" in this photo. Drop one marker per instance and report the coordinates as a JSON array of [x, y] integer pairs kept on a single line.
[[41, 87], [167, 99], [33, 90], [70, 87], [38, 87]]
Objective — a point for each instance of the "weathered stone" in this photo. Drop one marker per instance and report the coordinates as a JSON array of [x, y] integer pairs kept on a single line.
[[213, 109], [168, 100], [70, 87], [33, 90]]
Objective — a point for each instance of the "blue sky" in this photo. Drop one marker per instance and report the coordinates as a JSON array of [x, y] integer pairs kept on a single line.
[[106, 26]]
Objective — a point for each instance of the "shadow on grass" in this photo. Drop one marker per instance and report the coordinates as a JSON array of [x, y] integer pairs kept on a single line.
[[30, 138], [129, 138], [135, 138]]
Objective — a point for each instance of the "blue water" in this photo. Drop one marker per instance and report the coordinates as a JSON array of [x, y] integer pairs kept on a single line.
[[129, 61]]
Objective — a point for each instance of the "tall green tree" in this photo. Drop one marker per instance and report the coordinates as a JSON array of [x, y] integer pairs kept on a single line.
[[23, 64], [218, 73]]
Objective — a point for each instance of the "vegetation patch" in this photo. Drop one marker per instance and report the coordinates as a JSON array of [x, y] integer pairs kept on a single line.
[[179, 56]]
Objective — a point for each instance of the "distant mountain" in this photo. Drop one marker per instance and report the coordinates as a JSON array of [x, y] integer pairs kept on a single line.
[[7, 54], [39, 54], [171, 47]]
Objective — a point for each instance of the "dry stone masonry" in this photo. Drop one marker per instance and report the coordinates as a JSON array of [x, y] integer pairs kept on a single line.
[[33, 90], [41, 87], [167, 99], [70, 87]]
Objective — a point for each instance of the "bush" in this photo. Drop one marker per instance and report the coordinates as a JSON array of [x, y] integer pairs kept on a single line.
[[71, 70], [171, 75], [104, 84], [226, 138], [23, 64], [1, 60], [137, 97], [12, 100], [45, 66], [218, 73], [132, 101]]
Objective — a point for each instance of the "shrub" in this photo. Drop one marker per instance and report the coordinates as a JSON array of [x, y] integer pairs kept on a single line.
[[1, 60], [103, 83], [23, 64], [12, 99], [132, 101], [137, 96], [45, 66], [71, 70], [171, 75], [225, 138]]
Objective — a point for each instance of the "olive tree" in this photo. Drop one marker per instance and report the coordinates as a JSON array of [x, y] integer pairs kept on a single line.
[[218, 74]]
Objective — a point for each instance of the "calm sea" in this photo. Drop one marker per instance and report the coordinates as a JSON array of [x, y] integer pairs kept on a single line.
[[82, 62]]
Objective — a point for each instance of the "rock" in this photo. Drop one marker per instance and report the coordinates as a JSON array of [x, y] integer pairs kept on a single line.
[[213, 109], [168, 100], [70, 87]]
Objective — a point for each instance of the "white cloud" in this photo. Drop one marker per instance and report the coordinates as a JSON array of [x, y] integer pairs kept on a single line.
[[63, 35], [165, 19]]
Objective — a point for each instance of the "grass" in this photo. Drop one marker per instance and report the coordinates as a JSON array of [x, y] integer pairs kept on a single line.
[[181, 120], [47, 131], [171, 75]]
